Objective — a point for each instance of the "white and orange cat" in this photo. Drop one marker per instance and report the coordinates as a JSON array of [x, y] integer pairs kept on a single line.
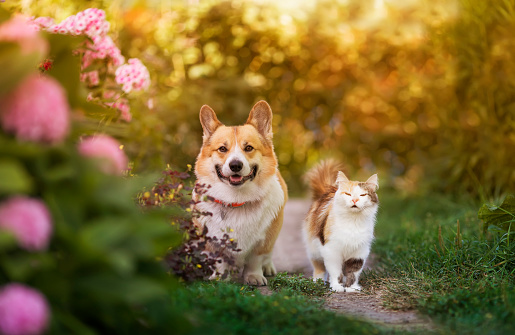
[[339, 227]]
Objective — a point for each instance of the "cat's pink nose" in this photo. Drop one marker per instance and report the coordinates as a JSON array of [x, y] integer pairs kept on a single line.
[[355, 200]]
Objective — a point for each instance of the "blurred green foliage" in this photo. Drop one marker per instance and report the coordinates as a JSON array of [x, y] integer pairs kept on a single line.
[[103, 270], [422, 91]]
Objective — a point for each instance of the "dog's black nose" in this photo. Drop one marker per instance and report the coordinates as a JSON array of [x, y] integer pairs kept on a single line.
[[236, 166]]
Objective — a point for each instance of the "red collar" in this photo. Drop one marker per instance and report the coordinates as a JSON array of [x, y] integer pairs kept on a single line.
[[232, 204]]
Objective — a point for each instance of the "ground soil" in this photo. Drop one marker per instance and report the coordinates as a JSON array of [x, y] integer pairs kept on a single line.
[[290, 256]]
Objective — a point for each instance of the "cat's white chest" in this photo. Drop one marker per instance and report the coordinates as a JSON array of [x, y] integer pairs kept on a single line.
[[351, 235]]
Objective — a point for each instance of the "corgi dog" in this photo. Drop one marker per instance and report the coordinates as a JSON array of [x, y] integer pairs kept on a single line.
[[245, 192]]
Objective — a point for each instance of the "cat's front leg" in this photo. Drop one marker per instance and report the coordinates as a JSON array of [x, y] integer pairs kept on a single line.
[[333, 265], [352, 270]]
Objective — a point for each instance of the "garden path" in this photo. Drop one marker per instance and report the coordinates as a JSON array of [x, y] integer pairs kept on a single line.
[[290, 256]]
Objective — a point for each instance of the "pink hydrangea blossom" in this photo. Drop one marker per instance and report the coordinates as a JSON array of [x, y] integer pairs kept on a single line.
[[21, 30], [107, 150], [133, 76], [23, 310], [37, 110], [29, 220]]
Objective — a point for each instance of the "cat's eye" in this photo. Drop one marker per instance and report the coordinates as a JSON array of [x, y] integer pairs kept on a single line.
[[346, 193], [249, 148], [222, 149], [362, 195]]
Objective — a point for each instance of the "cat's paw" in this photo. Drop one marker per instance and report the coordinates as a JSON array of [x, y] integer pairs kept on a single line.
[[338, 288], [269, 269], [353, 288], [255, 279]]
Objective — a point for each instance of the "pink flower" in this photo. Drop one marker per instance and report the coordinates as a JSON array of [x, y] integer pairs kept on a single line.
[[133, 76], [19, 29], [37, 110], [107, 150], [29, 220], [23, 310], [91, 78]]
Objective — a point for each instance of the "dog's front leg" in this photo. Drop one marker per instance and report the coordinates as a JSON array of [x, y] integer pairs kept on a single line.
[[268, 265], [253, 271]]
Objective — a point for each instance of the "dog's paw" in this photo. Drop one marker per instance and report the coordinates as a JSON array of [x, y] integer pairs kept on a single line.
[[269, 270], [255, 279]]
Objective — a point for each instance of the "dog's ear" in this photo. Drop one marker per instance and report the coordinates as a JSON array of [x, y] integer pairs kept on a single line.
[[261, 117], [209, 121]]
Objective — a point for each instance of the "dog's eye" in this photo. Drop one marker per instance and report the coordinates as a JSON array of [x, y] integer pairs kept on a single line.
[[222, 149], [249, 148]]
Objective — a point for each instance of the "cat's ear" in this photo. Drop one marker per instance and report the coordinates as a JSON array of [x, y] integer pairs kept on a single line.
[[342, 178], [373, 180]]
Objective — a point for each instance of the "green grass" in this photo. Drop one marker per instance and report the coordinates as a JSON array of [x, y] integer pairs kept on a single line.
[[434, 257], [300, 285], [228, 308]]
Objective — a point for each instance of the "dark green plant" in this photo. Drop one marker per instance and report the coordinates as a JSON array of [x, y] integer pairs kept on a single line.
[[190, 260]]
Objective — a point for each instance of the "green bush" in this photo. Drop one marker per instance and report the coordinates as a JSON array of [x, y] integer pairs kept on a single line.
[[102, 271]]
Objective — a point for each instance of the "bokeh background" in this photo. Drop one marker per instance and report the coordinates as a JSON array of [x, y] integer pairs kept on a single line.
[[421, 91]]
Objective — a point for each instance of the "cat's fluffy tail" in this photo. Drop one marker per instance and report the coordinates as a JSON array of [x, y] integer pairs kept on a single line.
[[322, 177]]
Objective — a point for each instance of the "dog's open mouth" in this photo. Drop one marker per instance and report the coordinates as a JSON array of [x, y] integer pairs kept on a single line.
[[236, 179]]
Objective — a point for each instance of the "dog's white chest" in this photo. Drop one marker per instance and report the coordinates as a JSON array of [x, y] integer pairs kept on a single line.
[[247, 224]]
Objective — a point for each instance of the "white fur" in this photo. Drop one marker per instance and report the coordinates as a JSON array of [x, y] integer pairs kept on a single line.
[[352, 233], [248, 222]]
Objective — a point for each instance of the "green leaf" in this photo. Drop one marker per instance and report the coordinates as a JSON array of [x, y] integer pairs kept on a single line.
[[106, 233], [22, 266], [15, 178], [133, 290], [7, 240], [502, 216]]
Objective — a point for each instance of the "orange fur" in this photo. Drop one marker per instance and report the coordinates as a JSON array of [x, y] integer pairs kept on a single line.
[[262, 191]]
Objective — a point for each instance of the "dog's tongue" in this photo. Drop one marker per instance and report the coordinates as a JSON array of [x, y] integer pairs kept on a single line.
[[235, 178]]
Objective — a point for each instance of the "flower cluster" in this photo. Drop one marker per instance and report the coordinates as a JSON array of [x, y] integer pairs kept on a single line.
[[17, 30], [107, 151], [91, 22], [133, 76], [29, 220], [23, 310], [37, 110]]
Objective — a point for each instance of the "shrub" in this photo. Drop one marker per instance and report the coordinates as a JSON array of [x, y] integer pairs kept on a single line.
[[70, 234], [190, 260]]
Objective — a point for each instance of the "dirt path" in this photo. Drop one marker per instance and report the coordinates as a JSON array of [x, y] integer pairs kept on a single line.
[[290, 256]]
